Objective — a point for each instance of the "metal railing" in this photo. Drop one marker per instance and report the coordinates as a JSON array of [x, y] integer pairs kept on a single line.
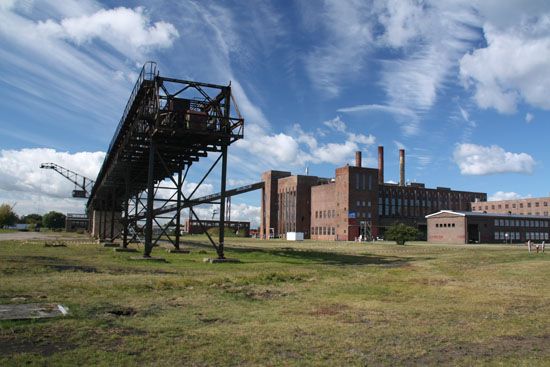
[[148, 72]]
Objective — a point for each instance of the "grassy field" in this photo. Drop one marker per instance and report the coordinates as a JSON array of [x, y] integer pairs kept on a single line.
[[315, 303]]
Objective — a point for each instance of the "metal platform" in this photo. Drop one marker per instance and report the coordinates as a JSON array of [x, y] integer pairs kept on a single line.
[[164, 129]]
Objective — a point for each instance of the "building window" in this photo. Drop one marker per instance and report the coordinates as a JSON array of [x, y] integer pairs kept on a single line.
[[452, 225], [528, 205], [521, 205], [537, 204], [506, 206], [513, 206], [496, 222]]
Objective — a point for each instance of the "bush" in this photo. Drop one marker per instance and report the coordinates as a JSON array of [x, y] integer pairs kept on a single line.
[[400, 233], [53, 220]]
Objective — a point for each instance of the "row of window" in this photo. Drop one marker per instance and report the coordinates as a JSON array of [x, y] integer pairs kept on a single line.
[[364, 203], [325, 213], [323, 231], [507, 206], [444, 225], [520, 223], [515, 236]]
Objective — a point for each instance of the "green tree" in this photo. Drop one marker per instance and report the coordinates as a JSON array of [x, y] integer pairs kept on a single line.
[[32, 219], [53, 220], [7, 215], [401, 233]]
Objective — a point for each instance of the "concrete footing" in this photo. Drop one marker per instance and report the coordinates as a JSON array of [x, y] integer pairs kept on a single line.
[[219, 261], [178, 251], [122, 249], [150, 259]]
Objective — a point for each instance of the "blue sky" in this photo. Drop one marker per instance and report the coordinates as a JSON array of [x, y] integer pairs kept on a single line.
[[462, 85]]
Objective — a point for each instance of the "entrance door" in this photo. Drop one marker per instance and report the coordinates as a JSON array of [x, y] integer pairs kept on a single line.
[[473, 233]]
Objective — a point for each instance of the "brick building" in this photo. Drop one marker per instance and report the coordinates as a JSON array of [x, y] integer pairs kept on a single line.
[[475, 227], [356, 202], [530, 206], [193, 226]]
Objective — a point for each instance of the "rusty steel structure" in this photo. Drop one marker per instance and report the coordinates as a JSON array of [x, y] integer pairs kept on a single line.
[[83, 183], [168, 125]]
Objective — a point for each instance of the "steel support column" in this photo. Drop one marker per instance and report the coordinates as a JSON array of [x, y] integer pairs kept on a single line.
[[178, 210], [104, 216], [113, 198], [150, 201], [125, 222], [222, 202]]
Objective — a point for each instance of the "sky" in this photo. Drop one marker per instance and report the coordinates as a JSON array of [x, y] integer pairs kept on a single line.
[[463, 86]]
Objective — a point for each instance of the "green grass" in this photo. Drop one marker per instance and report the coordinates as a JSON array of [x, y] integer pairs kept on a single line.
[[315, 303]]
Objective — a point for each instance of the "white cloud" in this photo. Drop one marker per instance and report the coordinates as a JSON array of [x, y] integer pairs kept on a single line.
[[126, 30], [475, 159], [378, 108], [514, 66], [502, 195], [245, 212], [431, 36], [346, 29], [529, 117], [24, 181], [336, 124]]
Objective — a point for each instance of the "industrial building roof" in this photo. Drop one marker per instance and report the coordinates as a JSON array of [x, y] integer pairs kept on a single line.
[[483, 214]]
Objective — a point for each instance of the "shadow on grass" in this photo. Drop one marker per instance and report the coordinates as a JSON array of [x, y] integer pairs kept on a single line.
[[302, 256]]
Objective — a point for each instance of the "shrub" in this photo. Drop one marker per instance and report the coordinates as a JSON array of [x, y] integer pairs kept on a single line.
[[53, 220], [400, 233]]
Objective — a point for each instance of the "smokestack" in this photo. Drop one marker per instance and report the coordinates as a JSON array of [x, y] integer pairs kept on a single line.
[[357, 159], [401, 167], [380, 165]]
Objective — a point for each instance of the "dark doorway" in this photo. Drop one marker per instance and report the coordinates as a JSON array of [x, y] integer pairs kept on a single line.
[[473, 233]]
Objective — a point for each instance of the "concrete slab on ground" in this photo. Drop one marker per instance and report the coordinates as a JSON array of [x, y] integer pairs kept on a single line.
[[220, 261], [178, 251], [150, 258], [25, 311], [122, 249]]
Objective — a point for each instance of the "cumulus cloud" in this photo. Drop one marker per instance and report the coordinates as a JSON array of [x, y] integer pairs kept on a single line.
[[21, 170], [513, 67], [37, 189], [127, 30], [502, 195], [475, 159]]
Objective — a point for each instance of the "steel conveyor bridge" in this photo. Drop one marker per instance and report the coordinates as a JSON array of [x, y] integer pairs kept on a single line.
[[164, 129]]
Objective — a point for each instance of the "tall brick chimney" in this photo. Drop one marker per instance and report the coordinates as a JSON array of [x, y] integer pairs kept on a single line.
[[358, 159], [380, 164], [401, 167]]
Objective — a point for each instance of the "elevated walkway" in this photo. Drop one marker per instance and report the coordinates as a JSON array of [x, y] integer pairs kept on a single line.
[[164, 129]]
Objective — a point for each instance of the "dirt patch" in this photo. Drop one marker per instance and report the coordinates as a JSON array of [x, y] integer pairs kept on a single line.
[[501, 347], [122, 311], [41, 347], [82, 268]]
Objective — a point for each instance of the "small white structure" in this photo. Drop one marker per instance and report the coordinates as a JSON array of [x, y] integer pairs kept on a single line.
[[295, 236]]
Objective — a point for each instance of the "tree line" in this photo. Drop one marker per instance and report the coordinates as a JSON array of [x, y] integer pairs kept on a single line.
[[52, 219]]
